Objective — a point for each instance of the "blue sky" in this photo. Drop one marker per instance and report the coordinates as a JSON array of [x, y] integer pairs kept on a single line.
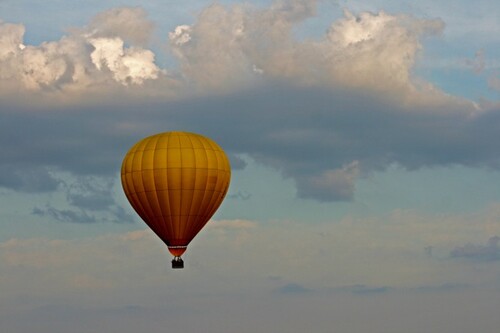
[[363, 139]]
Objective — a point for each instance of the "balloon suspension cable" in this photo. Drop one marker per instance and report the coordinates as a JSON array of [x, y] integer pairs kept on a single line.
[[177, 263]]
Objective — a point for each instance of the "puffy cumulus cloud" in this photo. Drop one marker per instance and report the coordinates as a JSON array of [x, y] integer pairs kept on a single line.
[[225, 49], [11, 38], [209, 54], [126, 65], [228, 46], [365, 50], [181, 35], [130, 23], [86, 60], [238, 44]]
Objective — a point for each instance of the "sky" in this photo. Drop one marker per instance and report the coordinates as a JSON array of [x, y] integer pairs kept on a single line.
[[363, 138]]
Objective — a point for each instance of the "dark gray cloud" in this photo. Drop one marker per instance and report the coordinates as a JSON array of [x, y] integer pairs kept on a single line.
[[91, 194], [114, 214], [322, 139], [488, 252], [65, 215], [240, 195], [24, 178], [445, 287], [89, 200], [361, 289], [120, 215], [77, 140], [237, 163], [325, 139], [292, 288]]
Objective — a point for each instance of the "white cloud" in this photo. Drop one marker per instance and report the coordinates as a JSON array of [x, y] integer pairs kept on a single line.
[[228, 47], [11, 37], [128, 65], [371, 51], [90, 59], [368, 49], [180, 35]]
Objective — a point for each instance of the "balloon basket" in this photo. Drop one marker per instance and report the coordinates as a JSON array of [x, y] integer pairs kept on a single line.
[[177, 263]]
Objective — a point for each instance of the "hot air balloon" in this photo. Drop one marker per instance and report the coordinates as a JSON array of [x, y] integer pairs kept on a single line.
[[175, 181]]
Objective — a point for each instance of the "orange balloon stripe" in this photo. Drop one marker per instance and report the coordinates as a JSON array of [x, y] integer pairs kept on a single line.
[[161, 203]]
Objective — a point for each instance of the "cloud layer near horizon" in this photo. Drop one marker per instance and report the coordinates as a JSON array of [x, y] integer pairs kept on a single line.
[[324, 112], [110, 263]]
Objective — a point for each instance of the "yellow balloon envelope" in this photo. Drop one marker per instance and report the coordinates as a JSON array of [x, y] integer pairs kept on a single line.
[[176, 181]]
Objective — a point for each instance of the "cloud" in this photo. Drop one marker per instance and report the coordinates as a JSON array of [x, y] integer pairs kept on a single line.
[[229, 45], [226, 48], [331, 185], [323, 140], [65, 215], [87, 200], [360, 289], [10, 40], [130, 23], [285, 257], [126, 65], [86, 60], [292, 288], [445, 287], [387, 254], [488, 252], [236, 45], [240, 195], [28, 179], [323, 112], [90, 193], [63, 267]]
